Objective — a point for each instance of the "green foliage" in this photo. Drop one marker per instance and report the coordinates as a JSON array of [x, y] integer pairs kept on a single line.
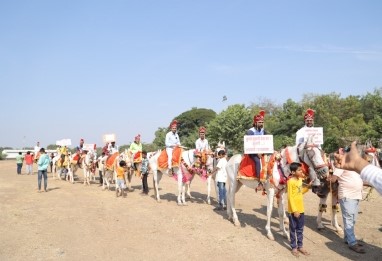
[[51, 147], [343, 120], [160, 136], [190, 121], [230, 126]]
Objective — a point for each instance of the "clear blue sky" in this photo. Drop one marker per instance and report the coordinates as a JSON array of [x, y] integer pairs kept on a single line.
[[81, 69]]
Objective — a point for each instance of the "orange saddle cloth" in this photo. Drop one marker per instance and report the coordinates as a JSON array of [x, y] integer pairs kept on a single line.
[[110, 160], [138, 157], [163, 159], [247, 168]]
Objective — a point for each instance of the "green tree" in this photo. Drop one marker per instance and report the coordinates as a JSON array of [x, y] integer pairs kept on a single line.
[[230, 126]]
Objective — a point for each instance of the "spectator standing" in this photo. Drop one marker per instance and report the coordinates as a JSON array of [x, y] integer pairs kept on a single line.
[[43, 163], [19, 162], [145, 173], [29, 162]]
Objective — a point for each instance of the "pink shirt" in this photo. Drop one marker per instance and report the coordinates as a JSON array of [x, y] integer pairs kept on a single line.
[[28, 159], [350, 184]]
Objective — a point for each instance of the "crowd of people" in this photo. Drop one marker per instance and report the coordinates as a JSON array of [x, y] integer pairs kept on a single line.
[[351, 171]]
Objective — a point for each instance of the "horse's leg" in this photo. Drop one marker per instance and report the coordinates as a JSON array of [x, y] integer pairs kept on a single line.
[[231, 211], [209, 190], [282, 216], [270, 195], [156, 185], [321, 209], [180, 187], [335, 210], [184, 193]]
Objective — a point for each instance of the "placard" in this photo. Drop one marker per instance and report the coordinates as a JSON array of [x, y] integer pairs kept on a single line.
[[89, 147], [258, 144], [109, 138], [64, 142], [317, 132]]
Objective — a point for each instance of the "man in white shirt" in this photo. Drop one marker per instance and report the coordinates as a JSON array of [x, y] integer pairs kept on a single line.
[[172, 141], [201, 144], [349, 194], [301, 136]]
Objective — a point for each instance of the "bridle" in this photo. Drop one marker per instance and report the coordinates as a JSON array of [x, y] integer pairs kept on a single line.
[[309, 151]]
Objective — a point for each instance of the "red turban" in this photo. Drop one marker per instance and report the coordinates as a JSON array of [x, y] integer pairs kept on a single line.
[[259, 117], [309, 114], [202, 129], [174, 123]]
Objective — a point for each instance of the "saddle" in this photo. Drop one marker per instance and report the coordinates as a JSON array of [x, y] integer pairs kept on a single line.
[[247, 169], [137, 157], [163, 158], [109, 164]]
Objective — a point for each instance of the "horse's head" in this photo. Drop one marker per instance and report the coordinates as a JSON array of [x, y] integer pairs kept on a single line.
[[313, 156]]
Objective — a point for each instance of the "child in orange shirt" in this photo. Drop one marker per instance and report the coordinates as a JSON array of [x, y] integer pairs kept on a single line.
[[121, 177]]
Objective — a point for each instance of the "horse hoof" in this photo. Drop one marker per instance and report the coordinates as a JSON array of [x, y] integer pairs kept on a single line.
[[236, 223], [271, 237]]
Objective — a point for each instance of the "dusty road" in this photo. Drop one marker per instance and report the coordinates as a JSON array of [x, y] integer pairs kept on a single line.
[[73, 222]]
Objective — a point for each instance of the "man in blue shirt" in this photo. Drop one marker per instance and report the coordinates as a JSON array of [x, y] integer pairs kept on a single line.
[[257, 129]]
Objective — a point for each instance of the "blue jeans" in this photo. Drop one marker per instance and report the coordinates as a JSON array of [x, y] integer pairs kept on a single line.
[[349, 209], [296, 229], [42, 173], [256, 159], [222, 193], [19, 166]]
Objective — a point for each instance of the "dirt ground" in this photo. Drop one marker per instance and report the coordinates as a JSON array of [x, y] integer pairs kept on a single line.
[[73, 222]]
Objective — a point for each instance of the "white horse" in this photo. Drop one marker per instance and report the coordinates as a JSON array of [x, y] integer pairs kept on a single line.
[[203, 173], [177, 170], [88, 166], [308, 154], [127, 156]]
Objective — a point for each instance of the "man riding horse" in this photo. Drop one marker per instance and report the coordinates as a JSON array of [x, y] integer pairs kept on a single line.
[[302, 136]]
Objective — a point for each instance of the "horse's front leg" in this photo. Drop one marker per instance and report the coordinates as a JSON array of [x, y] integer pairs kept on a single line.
[[209, 190], [270, 195], [335, 210], [282, 216], [180, 188], [156, 185], [321, 209]]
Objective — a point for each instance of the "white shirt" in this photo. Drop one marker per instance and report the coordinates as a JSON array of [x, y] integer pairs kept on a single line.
[[172, 140], [372, 175], [202, 145], [350, 184], [36, 150], [221, 174], [111, 149]]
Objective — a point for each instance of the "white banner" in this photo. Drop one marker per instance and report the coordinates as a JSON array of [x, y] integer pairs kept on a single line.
[[318, 134], [89, 147], [258, 144], [109, 138], [64, 142]]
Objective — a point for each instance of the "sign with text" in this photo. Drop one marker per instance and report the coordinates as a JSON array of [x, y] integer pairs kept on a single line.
[[64, 142], [258, 144], [317, 133], [89, 147], [108, 137]]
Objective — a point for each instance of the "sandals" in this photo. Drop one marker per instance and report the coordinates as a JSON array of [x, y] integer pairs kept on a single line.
[[304, 252]]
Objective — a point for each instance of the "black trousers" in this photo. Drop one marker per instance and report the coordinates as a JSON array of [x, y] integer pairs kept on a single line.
[[145, 187]]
